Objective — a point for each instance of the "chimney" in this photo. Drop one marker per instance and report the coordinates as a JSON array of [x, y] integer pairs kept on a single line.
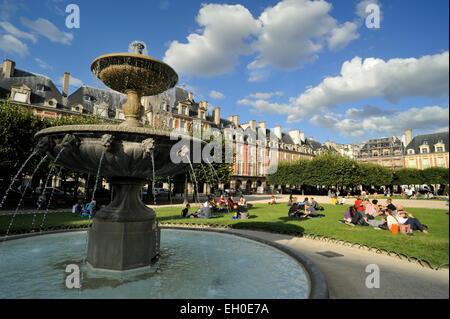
[[302, 137], [311, 138], [262, 125], [65, 89], [277, 131], [230, 118], [216, 115], [8, 68], [253, 125], [327, 143], [408, 136], [236, 120], [191, 96], [295, 135], [205, 105]]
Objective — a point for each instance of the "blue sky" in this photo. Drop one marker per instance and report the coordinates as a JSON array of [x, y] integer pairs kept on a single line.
[[278, 61]]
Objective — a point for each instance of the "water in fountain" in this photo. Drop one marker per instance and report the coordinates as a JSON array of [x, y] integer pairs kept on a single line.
[[195, 178], [15, 177], [138, 47], [153, 179], [47, 209], [214, 171], [23, 196]]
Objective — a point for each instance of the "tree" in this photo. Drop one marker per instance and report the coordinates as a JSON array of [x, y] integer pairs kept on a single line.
[[375, 175], [436, 175], [408, 176]]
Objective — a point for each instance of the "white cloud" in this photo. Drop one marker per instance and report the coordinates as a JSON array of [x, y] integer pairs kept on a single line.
[[9, 28], [375, 78], [425, 118], [11, 45], [371, 78], [217, 48], [72, 81], [367, 111], [294, 31], [265, 96], [216, 95], [43, 64], [342, 36], [48, 30], [285, 36]]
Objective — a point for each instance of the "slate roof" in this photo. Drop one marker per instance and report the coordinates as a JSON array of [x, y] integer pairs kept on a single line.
[[431, 139], [32, 80], [96, 96]]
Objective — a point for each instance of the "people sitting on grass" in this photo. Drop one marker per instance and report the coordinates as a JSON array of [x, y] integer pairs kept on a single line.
[[309, 210], [390, 206], [273, 201], [359, 204], [205, 212], [405, 218], [294, 210], [185, 211], [222, 202], [316, 205], [369, 209], [290, 201], [89, 210], [231, 204]]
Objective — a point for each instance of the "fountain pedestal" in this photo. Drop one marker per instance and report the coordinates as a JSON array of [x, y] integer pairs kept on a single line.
[[125, 234]]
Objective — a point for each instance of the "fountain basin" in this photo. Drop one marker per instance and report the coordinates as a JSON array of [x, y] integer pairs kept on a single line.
[[193, 265], [127, 150], [130, 71]]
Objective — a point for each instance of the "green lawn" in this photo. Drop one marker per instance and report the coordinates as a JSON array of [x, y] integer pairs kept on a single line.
[[433, 247]]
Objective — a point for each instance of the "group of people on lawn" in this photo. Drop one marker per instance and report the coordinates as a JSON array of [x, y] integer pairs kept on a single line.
[[393, 217], [307, 208], [240, 208]]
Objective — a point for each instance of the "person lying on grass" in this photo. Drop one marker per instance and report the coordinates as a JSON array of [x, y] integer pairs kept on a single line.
[[406, 218]]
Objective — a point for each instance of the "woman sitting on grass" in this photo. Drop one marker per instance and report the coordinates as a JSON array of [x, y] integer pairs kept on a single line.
[[273, 201]]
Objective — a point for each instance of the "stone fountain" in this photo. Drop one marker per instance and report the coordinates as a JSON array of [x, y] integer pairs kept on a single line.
[[125, 234]]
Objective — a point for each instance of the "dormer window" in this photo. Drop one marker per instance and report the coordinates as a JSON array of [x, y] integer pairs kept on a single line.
[[424, 150], [40, 87], [439, 149], [89, 98], [410, 151]]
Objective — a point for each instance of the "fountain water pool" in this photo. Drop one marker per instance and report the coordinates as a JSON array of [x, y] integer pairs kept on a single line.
[[209, 265]]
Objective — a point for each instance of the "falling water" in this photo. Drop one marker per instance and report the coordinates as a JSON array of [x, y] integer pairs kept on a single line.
[[214, 171], [47, 209], [15, 177], [23, 195], [153, 180], [98, 175], [195, 178]]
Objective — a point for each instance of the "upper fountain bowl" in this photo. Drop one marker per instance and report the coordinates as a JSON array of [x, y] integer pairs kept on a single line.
[[131, 71]]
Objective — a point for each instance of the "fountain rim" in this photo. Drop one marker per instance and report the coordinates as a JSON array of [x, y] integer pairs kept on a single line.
[[133, 55], [318, 285], [97, 128]]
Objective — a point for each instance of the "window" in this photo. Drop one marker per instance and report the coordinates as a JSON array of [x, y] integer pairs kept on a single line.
[[439, 149], [412, 163], [441, 162], [171, 123], [40, 87], [410, 151], [424, 150], [89, 98], [426, 163], [20, 97], [182, 125]]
